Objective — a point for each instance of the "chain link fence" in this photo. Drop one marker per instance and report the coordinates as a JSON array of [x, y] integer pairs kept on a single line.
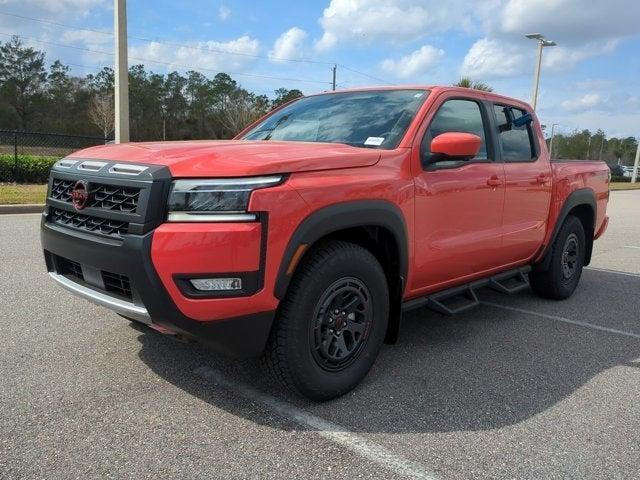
[[28, 156]]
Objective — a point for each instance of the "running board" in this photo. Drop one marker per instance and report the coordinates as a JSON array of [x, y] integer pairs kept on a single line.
[[460, 299], [510, 282]]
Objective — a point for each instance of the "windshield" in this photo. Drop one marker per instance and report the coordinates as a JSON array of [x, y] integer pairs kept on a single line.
[[372, 119]]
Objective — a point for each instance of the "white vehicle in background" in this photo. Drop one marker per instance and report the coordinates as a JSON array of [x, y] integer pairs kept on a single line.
[[628, 171]]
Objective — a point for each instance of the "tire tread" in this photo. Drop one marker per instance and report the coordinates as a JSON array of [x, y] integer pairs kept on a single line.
[[546, 283], [274, 358]]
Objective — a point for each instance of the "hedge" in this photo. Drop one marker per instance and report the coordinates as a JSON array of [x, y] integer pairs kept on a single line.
[[30, 168], [616, 178]]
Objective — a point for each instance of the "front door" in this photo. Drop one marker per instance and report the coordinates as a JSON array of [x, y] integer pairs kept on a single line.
[[458, 204]]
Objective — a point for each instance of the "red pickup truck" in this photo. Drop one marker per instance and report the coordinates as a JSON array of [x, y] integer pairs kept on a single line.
[[304, 239]]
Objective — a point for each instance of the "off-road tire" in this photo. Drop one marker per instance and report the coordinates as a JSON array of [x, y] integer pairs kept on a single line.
[[291, 355], [553, 282]]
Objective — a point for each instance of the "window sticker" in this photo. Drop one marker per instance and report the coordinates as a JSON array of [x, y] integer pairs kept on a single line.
[[376, 141]]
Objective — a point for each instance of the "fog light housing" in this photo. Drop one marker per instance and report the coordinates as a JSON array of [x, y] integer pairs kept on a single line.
[[216, 284]]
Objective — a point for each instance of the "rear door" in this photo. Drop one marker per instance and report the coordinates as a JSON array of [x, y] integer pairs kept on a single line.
[[458, 204], [528, 185]]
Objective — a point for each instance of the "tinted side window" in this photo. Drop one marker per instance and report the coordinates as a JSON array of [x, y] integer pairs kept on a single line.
[[456, 116], [516, 142]]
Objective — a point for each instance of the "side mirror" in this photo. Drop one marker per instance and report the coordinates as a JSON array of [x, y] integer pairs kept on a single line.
[[454, 146]]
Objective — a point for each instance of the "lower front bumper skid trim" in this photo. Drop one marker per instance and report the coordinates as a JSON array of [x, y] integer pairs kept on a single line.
[[122, 307]]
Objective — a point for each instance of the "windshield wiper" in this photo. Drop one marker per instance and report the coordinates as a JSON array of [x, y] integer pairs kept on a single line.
[[275, 126]]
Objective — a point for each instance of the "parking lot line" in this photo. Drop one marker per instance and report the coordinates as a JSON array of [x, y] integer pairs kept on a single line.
[[618, 272], [565, 320], [331, 431], [631, 246]]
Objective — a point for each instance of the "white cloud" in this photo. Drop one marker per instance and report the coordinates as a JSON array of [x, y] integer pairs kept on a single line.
[[416, 62], [224, 12], [58, 8], [86, 37], [288, 45], [571, 21], [489, 58], [392, 21], [581, 30], [587, 102], [497, 57], [563, 58], [212, 56]]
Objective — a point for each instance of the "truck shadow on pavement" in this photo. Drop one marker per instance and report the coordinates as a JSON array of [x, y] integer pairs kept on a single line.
[[486, 369]]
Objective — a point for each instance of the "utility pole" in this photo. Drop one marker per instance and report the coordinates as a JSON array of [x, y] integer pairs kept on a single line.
[[121, 71], [536, 76], [589, 147], [634, 175], [335, 67]]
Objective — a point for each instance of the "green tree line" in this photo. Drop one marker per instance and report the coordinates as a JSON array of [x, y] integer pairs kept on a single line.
[[172, 106], [178, 106], [585, 145]]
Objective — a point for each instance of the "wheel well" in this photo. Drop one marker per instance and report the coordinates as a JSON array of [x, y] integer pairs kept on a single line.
[[378, 241], [382, 243], [585, 214]]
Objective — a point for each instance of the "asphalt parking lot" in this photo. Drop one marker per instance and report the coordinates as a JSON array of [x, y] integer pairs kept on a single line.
[[518, 388]]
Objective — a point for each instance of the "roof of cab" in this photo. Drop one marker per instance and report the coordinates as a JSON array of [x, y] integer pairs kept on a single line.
[[436, 89]]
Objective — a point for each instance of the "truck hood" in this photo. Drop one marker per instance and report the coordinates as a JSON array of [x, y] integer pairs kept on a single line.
[[235, 158]]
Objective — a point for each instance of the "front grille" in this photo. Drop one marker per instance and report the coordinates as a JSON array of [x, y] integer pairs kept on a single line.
[[116, 283], [69, 267], [108, 197], [61, 189], [89, 223], [121, 200]]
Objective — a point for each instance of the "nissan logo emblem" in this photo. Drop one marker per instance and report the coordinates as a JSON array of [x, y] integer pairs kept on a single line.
[[80, 194]]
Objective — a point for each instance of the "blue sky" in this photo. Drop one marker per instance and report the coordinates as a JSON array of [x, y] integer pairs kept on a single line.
[[590, 80]]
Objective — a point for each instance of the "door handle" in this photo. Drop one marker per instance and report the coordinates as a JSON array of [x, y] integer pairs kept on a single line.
[[542, 178], [494, 181]]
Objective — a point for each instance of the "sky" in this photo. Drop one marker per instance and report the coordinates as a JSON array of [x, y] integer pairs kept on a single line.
[[590, 80]]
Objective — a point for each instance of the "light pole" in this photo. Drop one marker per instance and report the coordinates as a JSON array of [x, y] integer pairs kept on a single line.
[[333, 83], [553, 134], [634, 175], [121, 72], [542, 42]]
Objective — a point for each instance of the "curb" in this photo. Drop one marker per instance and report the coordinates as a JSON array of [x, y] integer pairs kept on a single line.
[[26, 208]]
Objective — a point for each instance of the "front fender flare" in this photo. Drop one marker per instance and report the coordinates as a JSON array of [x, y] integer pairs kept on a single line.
[[340, 216]]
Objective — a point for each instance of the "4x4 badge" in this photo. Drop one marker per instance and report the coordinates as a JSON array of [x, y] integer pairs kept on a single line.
[[80, 194]]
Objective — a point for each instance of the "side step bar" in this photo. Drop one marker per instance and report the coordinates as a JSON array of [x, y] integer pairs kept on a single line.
[[460, 299]]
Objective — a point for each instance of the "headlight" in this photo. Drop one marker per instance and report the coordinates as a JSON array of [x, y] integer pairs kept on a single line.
[[215, 200]]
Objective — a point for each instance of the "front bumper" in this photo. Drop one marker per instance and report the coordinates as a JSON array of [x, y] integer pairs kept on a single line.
[[150, 302]]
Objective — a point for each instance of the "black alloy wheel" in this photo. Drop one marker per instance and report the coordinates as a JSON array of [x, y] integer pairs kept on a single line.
[[342, 322]]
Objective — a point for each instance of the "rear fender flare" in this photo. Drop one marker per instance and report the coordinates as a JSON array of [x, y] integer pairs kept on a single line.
[[583, 196]]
